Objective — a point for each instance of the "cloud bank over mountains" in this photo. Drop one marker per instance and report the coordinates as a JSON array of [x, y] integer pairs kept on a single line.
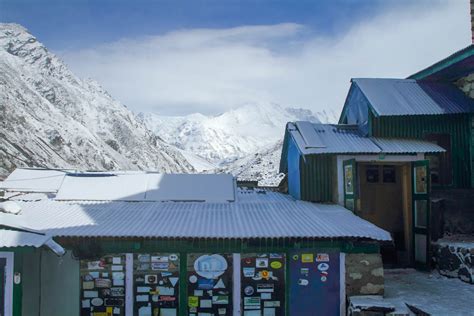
[[213, 70]]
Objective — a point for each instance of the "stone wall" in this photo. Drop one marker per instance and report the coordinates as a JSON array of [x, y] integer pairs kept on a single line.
[[454, 258], [364, 274]]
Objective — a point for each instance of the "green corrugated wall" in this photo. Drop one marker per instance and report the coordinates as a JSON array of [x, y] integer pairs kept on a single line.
[[457, 125], [318, 176]]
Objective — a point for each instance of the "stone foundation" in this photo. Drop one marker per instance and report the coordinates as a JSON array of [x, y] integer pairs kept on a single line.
[[455, 258], [364, 274]]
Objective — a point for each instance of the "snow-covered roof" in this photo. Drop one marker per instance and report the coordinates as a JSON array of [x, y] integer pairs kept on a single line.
[[314, 138], [123, 185], [14, 238], [253, 214]]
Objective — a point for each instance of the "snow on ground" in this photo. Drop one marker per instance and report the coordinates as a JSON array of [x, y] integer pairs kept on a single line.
[[430, 292], [461, 241]]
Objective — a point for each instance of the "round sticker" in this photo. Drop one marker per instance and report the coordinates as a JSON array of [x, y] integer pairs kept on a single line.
[[173, 257], [155, 298], [97, 301], [295, 257], [323, 266], [276, 264], [210, 266], [324, 279], [193, 279], [265, 274], [248, 290]]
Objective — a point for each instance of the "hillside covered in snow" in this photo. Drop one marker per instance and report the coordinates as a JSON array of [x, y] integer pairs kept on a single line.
[[51, 118]]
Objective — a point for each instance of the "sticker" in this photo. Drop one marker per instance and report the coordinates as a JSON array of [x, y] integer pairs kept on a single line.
[[249, 272], [97, 301], [198, 292], [143, 289], [304, 271], [118, 282], [116, 260], [295, 257], [265, 296], [88, 285], [173, 257], [144, 310], [193, 279], [323, 266], [141, 298], [105, 292], [91, 294], [163, 266], [94, 275], [205, 304], [307, 258], [151, 279], [324, 278], [210, 266], [159, 258], [166, 274], [303, 282], [166, 298], [88, 277], [261, 262], [269, 311], [86, 303], [222, 311], [266, 287], [163, 290], [102, 283], [166, 311], [96, 265], [114, 302], [205, 284], [173, 280], [117, 291], [117, 268], [143, 267], [265, 274], [220, 300], [251, 302], [105, 274], [275, 256], [116, 310], [144, 258], [276, 264], [248, 290], [248, 260], [219, 285], [322, 257], [118, 275], [271, 304]]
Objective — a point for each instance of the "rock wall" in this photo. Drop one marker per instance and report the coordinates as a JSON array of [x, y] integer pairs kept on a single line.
[[455, 259], [364, 274]]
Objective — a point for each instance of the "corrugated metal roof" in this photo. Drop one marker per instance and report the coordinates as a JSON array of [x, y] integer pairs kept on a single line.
[[14, 238], [33, 180], [341, 139], [252, 215], [410, 97]]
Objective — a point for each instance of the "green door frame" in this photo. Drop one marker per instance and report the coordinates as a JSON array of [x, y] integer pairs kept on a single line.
[[349, 168], [421, 213]]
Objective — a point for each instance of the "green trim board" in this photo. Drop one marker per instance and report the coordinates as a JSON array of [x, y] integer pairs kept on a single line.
[[350, 184]]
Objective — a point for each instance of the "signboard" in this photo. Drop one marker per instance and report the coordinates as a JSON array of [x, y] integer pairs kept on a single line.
[[314, 283]]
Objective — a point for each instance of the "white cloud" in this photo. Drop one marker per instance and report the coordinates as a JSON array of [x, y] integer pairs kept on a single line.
[[211, 70]]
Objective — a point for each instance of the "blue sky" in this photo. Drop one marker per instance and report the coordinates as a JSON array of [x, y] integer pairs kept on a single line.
[[180, 57], [76, 24]]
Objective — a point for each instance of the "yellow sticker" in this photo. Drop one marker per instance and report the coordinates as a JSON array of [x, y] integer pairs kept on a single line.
[[193, 301], [307, 257], [276, 264]]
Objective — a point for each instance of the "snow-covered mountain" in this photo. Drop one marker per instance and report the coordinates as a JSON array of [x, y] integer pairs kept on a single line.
[[51, 118], [262, 166], [224, 138]]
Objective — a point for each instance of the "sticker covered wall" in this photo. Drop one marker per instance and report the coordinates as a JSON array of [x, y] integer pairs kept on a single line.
[[314, 283], [263, 284], [156, 285], [103, 286], [209, 284]]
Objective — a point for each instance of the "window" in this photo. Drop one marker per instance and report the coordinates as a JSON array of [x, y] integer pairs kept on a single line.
[[372, 174], [440, 163], [389, 174]]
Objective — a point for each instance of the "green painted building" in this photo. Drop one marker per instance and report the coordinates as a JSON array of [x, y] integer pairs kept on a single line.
[[142, 243]]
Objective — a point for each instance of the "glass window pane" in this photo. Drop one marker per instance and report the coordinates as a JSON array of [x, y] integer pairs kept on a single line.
[[103, 285], [210, 284], [263, 279], [348, 179], [420, 248], [421, 213], [372, 174], [389, 174], [156, 287], [421, 180]]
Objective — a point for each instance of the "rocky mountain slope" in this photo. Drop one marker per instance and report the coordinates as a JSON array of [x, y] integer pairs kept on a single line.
[[51, 118]]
